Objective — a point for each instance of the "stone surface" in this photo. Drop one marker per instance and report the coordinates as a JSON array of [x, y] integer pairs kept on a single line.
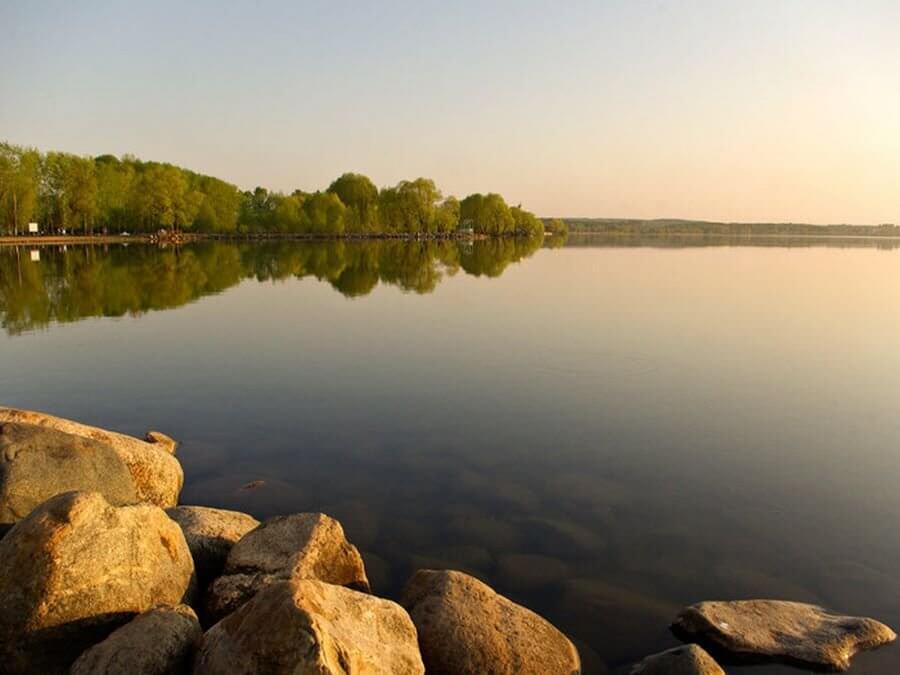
[[161, 441], [160, 641], [210, 534], [300, 546], [794, 632], [467, 628], [306, 626], [157, 475], [75, 569], [37, 463], [685, 660]]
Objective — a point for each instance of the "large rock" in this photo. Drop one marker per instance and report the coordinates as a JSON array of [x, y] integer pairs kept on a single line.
[[300, 546], [37, 463], [686, 660], [75, 569], [157, 475], [466, 628], [158, 642], [306, 626], [210, 534], [787, 631]]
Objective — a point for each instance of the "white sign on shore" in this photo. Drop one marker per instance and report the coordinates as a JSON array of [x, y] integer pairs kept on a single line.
[[33, 228]]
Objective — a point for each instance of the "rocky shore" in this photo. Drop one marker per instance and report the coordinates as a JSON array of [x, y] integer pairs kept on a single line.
[[103, 571]]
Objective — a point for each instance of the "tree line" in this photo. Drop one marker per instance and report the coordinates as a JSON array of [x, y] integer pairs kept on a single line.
[[86, 195], [697, 227]]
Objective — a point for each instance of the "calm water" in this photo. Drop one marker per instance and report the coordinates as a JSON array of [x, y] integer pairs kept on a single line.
[[605, 431]]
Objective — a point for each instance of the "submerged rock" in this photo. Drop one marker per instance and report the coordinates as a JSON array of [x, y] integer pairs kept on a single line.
[[621, 624], [75, 569], [789, 631], [686, 660], [306, 626], [467, 628], [157, 475], [158, 642], [37, 463], [526, 572], [300, 546], [210, 534]]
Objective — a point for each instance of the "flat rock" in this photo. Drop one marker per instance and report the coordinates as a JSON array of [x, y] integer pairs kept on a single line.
[[685, 660], [37, 463], [210, 534], [157, 475], [299, 546], [306, 626], [465, 627], [794, 632], [160, 641], [75, 569]]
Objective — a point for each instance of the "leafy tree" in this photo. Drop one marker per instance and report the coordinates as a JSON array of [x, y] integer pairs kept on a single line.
[[360, 196]]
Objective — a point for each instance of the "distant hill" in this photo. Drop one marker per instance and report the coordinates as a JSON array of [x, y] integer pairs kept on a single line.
[[664, 226]]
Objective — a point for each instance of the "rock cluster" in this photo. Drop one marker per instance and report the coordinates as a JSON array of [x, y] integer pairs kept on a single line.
[[96, 577]]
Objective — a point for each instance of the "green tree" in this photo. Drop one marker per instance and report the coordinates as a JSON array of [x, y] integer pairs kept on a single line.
[[360, 196]]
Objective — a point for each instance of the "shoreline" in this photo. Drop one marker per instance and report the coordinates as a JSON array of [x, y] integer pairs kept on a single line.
[[185, 238]]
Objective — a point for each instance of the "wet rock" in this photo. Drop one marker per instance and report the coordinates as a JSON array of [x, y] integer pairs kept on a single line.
[[467, 628], [621, 624], [306, 626], [685, 660], [526, 572], [37, 463], [75, 569], [246, 492], [160, 641], [788, 631], [157, 475], [474, 560], [210, 534], [300, 546]]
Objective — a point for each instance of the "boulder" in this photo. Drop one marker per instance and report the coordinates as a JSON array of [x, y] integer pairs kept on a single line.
[[685, 660], [299, 546], [160, 641], [467, 628], [161, 441], [37, 463], [306, 626], [793, 632], [210, 534], [157, 475], [76, 568]]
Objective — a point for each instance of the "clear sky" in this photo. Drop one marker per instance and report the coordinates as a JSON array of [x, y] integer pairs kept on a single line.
[[754, 111]]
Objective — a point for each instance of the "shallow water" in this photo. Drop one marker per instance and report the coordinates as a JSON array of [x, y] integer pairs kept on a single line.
[[605, 431]]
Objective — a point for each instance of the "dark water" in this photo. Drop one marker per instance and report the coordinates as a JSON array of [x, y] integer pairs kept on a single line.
[[605, 432]]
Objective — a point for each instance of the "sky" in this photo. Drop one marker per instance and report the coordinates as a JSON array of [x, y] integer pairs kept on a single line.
[[720, 110]]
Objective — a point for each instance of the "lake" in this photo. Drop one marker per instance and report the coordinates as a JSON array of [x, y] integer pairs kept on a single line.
[[604, 431]]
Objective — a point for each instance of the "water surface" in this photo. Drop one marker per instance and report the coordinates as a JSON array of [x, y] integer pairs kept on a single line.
[[605, 431]]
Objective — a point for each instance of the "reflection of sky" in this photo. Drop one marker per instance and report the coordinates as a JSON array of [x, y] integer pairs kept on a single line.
[[738, 402]]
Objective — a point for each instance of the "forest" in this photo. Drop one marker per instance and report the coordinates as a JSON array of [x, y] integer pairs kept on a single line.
[[663, 226], [70, 194]]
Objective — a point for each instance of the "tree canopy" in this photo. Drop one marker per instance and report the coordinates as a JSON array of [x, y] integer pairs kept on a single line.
[[73, 194]]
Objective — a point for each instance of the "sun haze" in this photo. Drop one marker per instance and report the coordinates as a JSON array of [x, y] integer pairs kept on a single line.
[[764, 111]]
